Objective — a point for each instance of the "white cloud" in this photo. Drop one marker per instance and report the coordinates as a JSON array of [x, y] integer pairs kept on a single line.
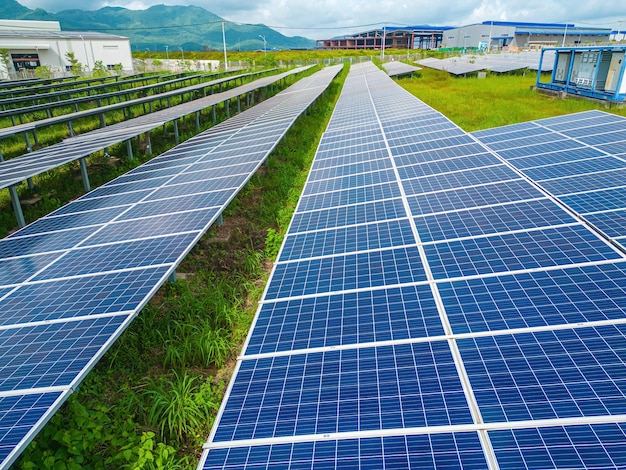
[[315, 18]]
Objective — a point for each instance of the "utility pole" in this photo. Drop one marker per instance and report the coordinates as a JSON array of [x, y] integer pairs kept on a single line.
[[224, 41]]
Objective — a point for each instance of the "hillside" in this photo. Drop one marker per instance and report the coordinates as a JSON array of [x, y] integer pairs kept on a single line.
[[189, 27]]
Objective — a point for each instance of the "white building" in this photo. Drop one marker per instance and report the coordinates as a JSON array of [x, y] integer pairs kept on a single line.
[[34, 43], [508, 35]]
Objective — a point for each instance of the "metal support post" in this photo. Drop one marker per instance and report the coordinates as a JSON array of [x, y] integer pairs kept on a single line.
[[71, 127], [227, 108], [220, 220], [29, 148], [238, 103], [197, 121], [214, 115], [83, 174], [17, 207], [148, 144], [103, 122], [172, 276], [129, 148], [176, 134]]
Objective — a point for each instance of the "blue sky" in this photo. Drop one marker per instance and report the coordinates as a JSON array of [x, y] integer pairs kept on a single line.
[[325, 18]]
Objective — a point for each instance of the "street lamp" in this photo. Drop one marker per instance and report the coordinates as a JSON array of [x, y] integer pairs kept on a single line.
[[264, 44]]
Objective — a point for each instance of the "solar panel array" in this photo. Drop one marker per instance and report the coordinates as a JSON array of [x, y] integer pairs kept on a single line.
[[397, 68], [72, 281], [579, 159], [16, 170], [500, 63], [430, 308]]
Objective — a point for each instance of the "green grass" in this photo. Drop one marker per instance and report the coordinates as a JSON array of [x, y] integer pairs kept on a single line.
[[496, 100]]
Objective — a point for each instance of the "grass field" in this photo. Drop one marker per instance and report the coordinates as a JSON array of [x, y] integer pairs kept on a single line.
[[151, 401]]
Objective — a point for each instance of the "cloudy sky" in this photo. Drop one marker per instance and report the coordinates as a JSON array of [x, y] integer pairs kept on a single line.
[[324, 18]]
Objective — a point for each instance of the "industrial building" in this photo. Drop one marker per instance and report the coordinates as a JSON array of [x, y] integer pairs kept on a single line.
[[407, 37], [593, 72], [42, 43], [492, 35]]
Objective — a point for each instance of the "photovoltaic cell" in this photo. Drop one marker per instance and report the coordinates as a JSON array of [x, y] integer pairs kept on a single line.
[[347, 240], [31, 408], [347, 215], [548, 374], [493, 219], [353, 271], [584, 447], [517, 251], [429, 451], [344, 319], [54, 354], [340, 391], [536, 299], [485, 195], [93, 295]]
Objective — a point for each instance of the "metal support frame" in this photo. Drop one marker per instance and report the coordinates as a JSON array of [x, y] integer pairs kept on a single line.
[[220, 220], [238, 103], [83, 173], [214, 115], [176, 134], [148, 144], [227, 102], [29, 148], [197, 121], [129, 149], [17, 207], [172, 276]]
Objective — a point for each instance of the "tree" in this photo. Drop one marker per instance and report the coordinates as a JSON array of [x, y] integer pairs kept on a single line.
[[43, 71], [5, 59], [118, 68], [99, 70], [75, 66]]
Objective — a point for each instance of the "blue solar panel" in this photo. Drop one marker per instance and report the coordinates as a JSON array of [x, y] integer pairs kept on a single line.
[[76, 220], [120, 256], [430, 451], [493, 219], [594, 201], [387, 387], [351, 181], [352, 169], [52, 355], [347, 215], [348, 240], [348, 159], [548, 374], [485, 195], [537, 149], [592, 165], [448, 165], [543, 298], [459, 179], [411, 158], [356, 271], [31, 408], [344, 319], [594, 181], [565, 156], [16, 270], [583, 447], [517, 251], [93, 295], [83, 205], [190, 221], [50, 241], [350, 196]]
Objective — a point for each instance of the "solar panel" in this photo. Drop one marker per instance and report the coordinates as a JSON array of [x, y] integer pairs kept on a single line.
[[71, 282], [457, 300], [16, 170], [589, 177]]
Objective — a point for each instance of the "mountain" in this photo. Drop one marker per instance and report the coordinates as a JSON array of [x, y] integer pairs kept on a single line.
[[189, 27]]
